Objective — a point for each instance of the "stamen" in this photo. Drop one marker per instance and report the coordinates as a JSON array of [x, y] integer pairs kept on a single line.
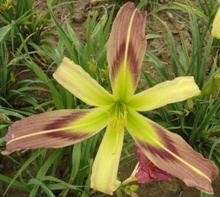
[[120, 115], [119, 121]]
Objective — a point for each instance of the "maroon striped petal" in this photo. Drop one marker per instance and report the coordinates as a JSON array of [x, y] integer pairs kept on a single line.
[[55, 129], [170, 153], [125, 51]]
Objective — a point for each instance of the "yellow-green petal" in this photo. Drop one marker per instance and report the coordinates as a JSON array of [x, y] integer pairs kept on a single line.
[[81, 84], [171, 153], [56, 129], [125, 51], [179, 89], [216, 25], [105, 167]]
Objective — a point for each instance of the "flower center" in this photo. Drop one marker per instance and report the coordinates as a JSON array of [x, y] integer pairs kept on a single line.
[[118, 122], [120, 116]]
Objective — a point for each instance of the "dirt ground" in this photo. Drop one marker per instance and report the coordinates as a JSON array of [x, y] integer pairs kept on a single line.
[[176, 188]]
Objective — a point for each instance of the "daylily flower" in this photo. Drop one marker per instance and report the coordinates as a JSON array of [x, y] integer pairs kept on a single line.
[[147, 171], [216, 25], [118, 111]]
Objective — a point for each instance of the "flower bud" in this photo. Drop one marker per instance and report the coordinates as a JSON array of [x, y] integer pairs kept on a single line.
[[92, 65], [216, 25], [213, 87], [6, 5]]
